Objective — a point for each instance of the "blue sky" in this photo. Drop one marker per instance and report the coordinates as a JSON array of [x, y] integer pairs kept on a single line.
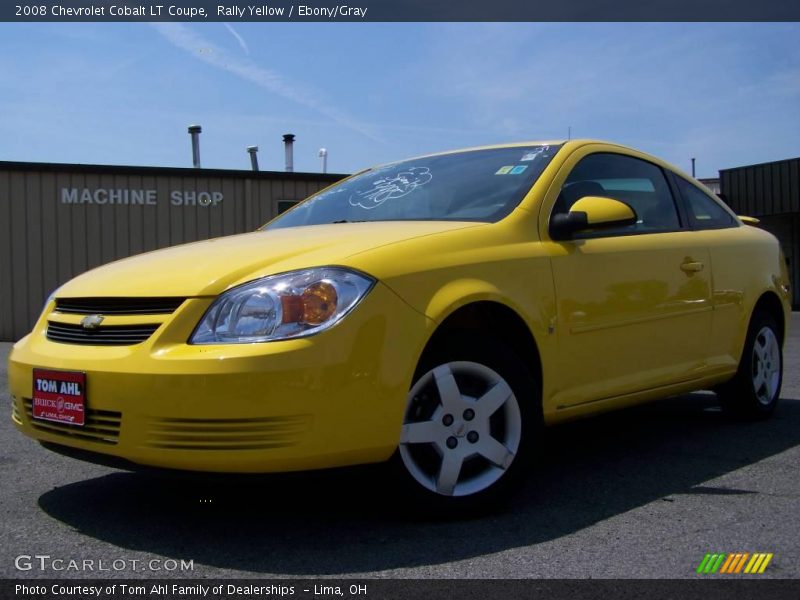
[[124, 93]]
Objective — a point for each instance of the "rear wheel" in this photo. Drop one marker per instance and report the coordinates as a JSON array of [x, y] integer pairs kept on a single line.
[[754, 391], [471, 419]]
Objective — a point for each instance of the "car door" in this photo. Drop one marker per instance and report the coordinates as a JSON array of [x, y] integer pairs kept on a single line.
[[633, 303], [717, 228]]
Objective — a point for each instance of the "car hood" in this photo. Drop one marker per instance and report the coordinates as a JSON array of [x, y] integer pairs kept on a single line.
[[209, 267]]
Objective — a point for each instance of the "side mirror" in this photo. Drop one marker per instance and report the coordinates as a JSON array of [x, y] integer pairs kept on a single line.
[[591, 212]]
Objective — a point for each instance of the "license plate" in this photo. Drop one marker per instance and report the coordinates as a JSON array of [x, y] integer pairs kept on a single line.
[[59, 396]]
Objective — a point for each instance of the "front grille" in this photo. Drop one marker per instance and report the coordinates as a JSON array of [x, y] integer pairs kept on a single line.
[[228, 434], [118, 306], [102, 426], [111, 335]]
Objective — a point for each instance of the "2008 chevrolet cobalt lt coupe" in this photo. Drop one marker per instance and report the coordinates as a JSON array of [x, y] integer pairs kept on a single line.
[[434, 313]]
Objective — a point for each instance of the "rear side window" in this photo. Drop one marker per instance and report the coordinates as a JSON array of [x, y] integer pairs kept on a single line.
[[638, 183], [704, 211]]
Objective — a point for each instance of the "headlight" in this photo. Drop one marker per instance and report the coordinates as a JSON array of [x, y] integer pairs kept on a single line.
[[281, 307]]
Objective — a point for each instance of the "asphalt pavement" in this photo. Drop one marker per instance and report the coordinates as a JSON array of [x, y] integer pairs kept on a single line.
[[642, 493]]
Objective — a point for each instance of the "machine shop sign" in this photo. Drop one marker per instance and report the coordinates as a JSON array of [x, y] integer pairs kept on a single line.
[[138, 197]]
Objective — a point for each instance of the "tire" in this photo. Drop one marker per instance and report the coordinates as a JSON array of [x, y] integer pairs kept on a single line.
[[472, 422], [754, 391]]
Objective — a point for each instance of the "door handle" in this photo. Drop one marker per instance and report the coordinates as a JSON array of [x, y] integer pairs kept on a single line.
[[692, 267]]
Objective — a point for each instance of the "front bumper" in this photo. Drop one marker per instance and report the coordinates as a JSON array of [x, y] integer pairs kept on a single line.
[[329, 400]]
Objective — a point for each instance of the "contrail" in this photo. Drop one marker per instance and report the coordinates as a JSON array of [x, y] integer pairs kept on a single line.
[[184, 38], [239, 38]]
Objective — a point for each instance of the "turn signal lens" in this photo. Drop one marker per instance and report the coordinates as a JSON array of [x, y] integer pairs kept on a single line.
[[319, 302], [292, 309], [314, 306]]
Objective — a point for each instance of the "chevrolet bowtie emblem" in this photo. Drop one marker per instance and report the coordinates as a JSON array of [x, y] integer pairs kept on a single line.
[[92, 321]]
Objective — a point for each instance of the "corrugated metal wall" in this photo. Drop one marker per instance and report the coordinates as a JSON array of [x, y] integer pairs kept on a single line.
[[771, 192], [765, 189], [45, 241]]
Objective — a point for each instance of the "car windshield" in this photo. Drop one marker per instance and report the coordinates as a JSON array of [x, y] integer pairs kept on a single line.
[[475, 185]]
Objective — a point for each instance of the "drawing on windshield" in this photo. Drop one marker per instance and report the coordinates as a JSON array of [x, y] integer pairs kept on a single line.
[[389, 188]]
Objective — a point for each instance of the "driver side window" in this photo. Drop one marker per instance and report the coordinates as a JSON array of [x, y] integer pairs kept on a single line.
[[637, 183]]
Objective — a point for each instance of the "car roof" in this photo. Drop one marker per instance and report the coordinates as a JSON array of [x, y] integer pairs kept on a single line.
[[574, 143]]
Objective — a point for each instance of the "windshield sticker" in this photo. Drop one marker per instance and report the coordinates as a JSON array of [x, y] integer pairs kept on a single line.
[[390, 188], [504, 170], [518, 169]]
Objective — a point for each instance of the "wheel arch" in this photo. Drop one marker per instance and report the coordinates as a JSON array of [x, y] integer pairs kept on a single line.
[[487, 317], [770, 303]]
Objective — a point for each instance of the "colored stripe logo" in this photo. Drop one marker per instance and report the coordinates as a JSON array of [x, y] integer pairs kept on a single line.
[[734, 563]]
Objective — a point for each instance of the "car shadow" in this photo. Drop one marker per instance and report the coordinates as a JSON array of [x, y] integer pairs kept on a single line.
[[345, 521]]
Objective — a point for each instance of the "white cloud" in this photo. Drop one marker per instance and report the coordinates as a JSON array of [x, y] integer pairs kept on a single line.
[[674, 90]]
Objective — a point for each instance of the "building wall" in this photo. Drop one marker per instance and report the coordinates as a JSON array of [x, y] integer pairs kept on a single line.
[[765, 189], [57, 221], [771, 192], [711, 183]]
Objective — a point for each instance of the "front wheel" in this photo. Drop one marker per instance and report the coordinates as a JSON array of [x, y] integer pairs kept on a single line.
[[469, 426], [754, 391]]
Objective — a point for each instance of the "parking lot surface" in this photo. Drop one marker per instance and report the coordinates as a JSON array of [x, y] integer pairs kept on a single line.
[[645, 493]]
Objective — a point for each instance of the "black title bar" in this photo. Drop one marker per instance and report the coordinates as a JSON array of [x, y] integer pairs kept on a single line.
[[401, 10], [394, 589]]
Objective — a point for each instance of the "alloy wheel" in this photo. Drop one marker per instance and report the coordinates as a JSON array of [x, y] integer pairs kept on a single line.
[[462, 429], [766, 375]]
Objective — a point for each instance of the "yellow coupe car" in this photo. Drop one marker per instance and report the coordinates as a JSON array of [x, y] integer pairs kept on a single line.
[[434, 313]]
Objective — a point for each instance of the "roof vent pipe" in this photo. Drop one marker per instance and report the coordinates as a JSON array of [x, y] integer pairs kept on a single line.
[[288, 144], [323, 154], [253, 152], [194, 131]]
